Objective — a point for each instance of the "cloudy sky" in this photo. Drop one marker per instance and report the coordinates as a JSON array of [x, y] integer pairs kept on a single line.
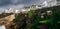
[[17, 3]]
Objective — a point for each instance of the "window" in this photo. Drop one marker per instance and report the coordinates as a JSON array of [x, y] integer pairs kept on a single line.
[[58, 0]]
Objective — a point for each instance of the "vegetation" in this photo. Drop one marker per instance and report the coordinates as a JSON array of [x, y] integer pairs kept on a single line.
[[38, 19]]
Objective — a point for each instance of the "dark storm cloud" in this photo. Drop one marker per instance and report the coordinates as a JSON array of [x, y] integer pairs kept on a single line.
[[16, 2], [4, 3]]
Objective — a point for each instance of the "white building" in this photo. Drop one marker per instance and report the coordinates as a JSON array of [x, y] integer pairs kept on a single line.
[[24, 10], [36, 6], [12, 10], [16, 10], [58, 2]]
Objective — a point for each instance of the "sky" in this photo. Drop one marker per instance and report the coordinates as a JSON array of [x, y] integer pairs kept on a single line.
[[4, 4], [19, 2]]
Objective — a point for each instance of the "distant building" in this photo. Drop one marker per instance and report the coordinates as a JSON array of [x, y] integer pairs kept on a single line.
[[12, 10], [35, 6], [24, 10], [58, 2], [16, 10], [49, 3]]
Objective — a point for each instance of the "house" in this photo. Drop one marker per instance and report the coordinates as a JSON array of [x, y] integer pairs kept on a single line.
[[58, 2], [12, 10]]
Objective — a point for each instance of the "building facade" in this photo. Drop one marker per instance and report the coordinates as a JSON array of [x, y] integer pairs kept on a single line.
[[12, 10], [58, 2]]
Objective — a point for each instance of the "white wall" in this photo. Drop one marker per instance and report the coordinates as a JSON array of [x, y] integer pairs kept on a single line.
[[58, 2]]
